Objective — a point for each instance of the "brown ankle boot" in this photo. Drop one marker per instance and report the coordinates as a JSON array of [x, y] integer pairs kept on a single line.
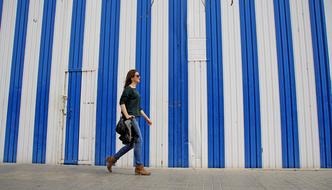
[[139, 170], [110, 161]]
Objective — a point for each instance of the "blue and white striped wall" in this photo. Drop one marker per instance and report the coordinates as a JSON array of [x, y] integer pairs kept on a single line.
[[242, 86]]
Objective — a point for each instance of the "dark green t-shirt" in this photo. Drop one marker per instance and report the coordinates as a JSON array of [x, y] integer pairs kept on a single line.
[[131, 98]]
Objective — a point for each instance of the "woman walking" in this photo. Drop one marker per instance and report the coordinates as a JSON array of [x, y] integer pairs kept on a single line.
[[131, 110]]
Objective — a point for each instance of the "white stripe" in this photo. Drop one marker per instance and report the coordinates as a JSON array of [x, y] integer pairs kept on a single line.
[[7, 32], [60, 56], [159, 85], [29, 83], [127, 52], [233, 91], [198, 141], [328, 20], [305, 84], [90, 62], [269, 85]]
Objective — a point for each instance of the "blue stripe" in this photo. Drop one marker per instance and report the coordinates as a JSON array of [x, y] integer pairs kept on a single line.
[[74, 82], [107, 81], [216, 145], [15, 86], [178, 85], [43, 85], [287, 87], [1, 4], [143, 40], [251, 100], [323, 80]]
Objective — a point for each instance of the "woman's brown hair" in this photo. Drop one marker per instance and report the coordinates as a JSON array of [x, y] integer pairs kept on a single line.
[[130, 74]]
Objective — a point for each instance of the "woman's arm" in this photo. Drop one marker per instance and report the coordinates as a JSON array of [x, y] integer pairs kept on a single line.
[[146, 117], [124, 111]]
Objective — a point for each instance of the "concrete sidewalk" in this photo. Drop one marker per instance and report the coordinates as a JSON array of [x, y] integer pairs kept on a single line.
[[35, 177]]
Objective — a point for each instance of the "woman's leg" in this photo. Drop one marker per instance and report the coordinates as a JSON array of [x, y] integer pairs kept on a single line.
[[138, 144], [111, 160], [139, 168], [123, 151]]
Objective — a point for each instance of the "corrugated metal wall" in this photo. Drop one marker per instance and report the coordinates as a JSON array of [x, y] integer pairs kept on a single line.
[[305, 85], [216, 150], [159, 84], [15, 83], [197, 83], [7, 43], [143, 65], [127, 50], [269, 91], [29, 90], [1, 4], [233, 88], [242, 85], [251, 99], [87, 134], [58, 86], [328, 16], [323, 80], [178, 85], [107, 81]]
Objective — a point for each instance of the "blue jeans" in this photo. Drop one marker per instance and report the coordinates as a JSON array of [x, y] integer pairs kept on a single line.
[[137, 146]]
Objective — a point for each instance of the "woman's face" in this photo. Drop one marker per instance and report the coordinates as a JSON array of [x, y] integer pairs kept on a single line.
[[136, 78]]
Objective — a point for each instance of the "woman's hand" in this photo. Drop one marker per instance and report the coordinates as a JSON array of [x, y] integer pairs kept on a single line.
[[148, 120], [130, 117]]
